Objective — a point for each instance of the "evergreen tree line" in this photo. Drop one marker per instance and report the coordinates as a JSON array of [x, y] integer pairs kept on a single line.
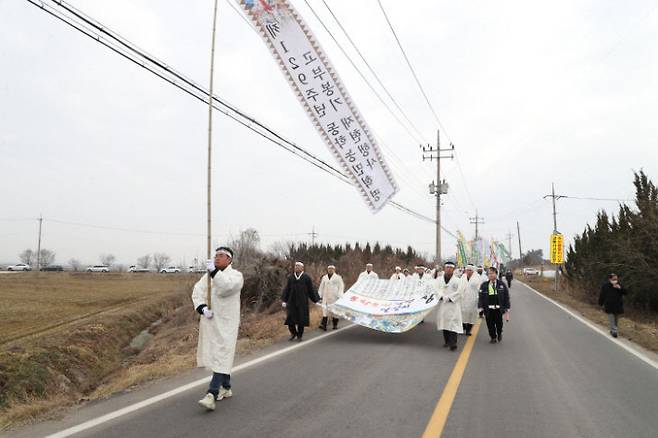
[[265, 273], [626, 244]]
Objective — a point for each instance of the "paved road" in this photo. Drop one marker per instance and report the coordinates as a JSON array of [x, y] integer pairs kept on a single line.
[[551, 377]]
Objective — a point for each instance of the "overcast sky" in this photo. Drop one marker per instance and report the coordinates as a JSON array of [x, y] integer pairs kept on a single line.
[[529, 93]]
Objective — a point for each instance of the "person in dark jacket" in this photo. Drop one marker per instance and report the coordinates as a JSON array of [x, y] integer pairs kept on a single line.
[[296, 294], [494, 300], [509, 277], [612, 302]]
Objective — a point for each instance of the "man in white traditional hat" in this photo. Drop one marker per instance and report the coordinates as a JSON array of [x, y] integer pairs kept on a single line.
[[397, 275], [449, 313], [299, 289], [421, 273], [470, 288], [368, 273], [218, 327], [331, 290]]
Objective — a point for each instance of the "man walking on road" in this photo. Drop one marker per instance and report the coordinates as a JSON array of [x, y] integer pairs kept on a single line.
[[612, 301], [449, 313], [495, 301], [398, 274], [218, 327], [470, 283], [509, 277], [368, 273], [330, 290], [299, 289]]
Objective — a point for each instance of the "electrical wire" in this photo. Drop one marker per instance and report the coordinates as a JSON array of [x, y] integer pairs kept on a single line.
[[196, 90], [372, 71]]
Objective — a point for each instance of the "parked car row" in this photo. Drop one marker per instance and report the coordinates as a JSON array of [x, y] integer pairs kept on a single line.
[[528, 272], [18, 267]]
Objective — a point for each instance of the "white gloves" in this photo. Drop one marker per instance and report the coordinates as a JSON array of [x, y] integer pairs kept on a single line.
[[210, 265], [207, 312], [284, 305]]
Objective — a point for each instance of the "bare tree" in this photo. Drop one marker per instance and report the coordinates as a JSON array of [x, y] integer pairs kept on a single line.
[[47, 257], [120, 268], [144, 261], [75, 264], [246, 248], [28, 257], [160, 260], [281, 249], [107, 259]]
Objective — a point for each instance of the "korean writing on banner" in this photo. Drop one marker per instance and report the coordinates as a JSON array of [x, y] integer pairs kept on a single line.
[[386, 297], [323, 96], [557, 248]]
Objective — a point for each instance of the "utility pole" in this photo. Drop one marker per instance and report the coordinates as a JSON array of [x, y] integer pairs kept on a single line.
[[39, 244], [518, 233], [441, 187], [313, 235], [477, 220], [553, 196]]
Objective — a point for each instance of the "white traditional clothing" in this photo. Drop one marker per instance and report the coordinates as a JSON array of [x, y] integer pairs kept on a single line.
[[219, 334], [470, 289], [449, 314], [397, 276], [330, 290], [366, 274]]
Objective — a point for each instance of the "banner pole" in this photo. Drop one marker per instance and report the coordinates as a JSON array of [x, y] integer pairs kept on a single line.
[[209, 202]]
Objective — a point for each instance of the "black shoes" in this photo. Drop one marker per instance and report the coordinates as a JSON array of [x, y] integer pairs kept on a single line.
[[292, 338], [323, 324], [453, 347], [493, 341], [500, 337]]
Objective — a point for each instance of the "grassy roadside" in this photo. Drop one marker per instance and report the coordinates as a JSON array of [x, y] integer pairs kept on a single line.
[[70, 342], [635, 326]]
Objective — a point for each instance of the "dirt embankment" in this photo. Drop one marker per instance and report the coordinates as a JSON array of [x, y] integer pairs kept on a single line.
[[78, 345], [636, 326]]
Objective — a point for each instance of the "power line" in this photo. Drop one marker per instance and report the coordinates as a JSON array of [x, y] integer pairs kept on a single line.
[[349, 38], [361, 73], [411, 68], [195, 90]]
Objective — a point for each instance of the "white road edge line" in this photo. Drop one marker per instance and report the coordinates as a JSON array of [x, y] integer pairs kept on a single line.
[[597, 329], [165, 395]]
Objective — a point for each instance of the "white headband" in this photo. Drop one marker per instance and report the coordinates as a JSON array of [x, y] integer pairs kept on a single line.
[[331, 267], [223, 251], [299, 264]]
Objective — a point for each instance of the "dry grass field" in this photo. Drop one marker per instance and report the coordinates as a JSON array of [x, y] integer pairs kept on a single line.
[[33, 304], [65, 337]]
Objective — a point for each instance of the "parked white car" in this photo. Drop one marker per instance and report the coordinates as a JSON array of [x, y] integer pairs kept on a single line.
[[195, 269], [134, 268], [98, 268], [530, 271], [19, 267], [170, 270]]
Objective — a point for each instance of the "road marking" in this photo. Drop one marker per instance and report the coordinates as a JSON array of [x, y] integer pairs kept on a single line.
[[597, 329], [165, 395], [440, 416]]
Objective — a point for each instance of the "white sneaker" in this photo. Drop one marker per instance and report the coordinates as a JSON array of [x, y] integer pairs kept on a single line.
[[224, 393], [208, 402]]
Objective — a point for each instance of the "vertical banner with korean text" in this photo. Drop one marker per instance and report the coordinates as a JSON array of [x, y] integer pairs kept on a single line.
[[324, 97]]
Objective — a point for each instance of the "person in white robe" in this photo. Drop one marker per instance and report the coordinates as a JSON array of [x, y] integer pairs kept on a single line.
[[449, 313], [219, 323], [331, 290], [421, 273], [397, 275], [469, 283], [368, 273]]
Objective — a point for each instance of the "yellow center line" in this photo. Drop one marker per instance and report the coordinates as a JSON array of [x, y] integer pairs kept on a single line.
[[438, 420]]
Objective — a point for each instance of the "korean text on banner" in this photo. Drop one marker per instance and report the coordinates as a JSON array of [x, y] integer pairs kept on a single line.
[[557, 248], [324, 97]]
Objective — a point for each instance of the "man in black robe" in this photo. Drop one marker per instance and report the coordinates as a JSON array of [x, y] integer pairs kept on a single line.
[[296, 294]]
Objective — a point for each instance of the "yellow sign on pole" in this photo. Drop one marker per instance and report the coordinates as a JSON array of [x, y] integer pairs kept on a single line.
[[557, 248]]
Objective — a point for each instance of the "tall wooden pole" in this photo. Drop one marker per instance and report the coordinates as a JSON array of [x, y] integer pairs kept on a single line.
[[210, 96]]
